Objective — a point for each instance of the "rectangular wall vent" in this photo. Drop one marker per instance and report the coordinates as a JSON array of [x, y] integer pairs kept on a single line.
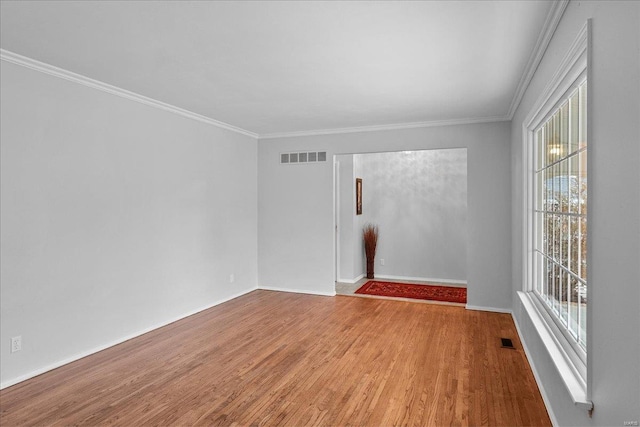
[[303, 157]]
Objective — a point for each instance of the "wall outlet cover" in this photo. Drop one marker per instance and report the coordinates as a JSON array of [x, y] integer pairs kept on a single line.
[[16, 344]]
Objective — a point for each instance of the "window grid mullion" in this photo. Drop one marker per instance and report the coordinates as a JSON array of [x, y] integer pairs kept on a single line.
[[559, 215]]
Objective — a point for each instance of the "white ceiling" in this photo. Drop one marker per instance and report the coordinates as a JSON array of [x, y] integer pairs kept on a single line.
[[279, 67]]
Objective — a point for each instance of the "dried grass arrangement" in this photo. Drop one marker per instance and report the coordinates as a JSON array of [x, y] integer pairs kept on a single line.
[[370, 235]]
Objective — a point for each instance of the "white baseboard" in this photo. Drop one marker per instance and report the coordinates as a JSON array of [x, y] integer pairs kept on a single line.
[[83, 354], [527, 353], [297, 291], [492, 309], [351, 280], [420, 279]]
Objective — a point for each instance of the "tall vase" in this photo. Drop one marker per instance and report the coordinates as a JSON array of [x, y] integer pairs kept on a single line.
[[370, 263]]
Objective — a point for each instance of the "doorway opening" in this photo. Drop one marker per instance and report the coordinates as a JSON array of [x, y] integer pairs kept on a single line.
[[418, 201]]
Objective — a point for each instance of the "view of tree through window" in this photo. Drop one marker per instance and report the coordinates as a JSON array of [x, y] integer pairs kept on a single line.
[[560, 215]]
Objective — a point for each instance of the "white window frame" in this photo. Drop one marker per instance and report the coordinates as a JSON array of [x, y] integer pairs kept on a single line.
[[571, 361]]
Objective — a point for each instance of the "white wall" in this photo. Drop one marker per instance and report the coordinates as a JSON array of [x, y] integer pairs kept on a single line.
[[418, 199], [116, 218], [614, 222], [295, 204]]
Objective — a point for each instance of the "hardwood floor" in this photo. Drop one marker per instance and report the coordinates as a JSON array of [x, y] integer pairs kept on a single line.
[[273, 358]]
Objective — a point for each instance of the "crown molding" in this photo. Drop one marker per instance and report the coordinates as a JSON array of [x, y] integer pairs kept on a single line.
[[374, 128], [52, 70], [33, 64], [548, 30], [573, 64]]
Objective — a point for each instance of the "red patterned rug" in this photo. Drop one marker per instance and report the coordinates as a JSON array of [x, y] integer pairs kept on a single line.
[[406, 290]]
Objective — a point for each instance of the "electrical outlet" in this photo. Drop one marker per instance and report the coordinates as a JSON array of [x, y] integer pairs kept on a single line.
[[381, 261], [16, 343], [232, 278]]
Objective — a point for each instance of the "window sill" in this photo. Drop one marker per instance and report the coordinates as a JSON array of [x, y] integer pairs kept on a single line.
[[571, 379]]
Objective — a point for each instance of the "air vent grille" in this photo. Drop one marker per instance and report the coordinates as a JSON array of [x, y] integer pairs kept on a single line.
[[304, 157], [507, 343]]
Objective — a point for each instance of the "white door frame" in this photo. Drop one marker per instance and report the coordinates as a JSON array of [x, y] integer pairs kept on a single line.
[[336, 216]]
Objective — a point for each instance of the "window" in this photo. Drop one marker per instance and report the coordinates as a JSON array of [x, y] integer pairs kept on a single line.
[[560, 217], [555, 220]]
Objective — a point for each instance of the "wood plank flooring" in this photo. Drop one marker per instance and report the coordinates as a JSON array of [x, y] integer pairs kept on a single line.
[[274, 358]]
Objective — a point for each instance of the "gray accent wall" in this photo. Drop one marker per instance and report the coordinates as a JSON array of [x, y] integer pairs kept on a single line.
[[418, 200]]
